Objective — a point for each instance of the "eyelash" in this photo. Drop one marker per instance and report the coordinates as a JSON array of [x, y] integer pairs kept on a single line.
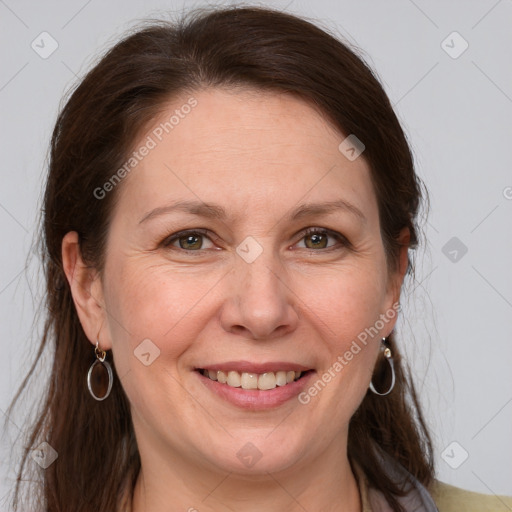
[[166, 243]]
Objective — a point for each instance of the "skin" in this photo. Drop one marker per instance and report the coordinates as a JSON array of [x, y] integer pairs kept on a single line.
[[259, 155]]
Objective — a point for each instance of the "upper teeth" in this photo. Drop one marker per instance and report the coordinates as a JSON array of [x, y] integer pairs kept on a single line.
[[246, 380]]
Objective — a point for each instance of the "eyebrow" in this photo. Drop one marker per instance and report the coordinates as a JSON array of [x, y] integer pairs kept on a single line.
[[211, 210]]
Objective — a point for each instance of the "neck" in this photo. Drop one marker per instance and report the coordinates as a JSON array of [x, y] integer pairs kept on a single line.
[[326, 483]]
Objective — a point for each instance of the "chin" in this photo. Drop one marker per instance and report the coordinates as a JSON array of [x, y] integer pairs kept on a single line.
[[253, 455]]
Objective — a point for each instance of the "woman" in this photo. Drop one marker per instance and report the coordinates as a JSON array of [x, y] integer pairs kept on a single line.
[[227, 220]]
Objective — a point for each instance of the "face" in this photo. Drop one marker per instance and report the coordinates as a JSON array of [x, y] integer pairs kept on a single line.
[[245, 279]]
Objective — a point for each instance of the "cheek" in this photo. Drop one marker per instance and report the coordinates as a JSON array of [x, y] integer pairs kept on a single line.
[[153, 320], [152, 301], [347, 301], [344, 316], [160, 310]]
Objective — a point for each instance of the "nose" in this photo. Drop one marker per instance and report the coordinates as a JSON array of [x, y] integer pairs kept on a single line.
[[260, 304]]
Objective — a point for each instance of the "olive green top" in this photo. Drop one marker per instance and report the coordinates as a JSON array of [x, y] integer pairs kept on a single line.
[[447, 498]]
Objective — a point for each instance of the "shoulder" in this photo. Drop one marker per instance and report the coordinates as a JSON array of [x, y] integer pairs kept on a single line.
[[449, 498]]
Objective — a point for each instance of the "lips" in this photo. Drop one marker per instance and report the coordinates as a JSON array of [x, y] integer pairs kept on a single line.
[[255, 385], [267, 395]]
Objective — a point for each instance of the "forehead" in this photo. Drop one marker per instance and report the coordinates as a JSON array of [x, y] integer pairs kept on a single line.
[[254, 151]]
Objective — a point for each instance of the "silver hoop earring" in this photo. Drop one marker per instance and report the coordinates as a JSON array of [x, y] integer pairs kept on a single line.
[[389, 358], [100, 376]]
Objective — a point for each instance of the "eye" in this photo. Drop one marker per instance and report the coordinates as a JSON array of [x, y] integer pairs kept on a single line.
[[191, 240], [317, 238]]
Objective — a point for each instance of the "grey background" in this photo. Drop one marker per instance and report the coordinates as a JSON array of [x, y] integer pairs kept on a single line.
[[456, 330]]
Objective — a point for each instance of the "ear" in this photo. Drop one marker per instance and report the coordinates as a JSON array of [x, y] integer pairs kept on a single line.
[[86, 289], [397, 276], [404, 240]]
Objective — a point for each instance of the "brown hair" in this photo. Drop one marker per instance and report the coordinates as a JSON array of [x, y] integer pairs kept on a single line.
[[249, 46]]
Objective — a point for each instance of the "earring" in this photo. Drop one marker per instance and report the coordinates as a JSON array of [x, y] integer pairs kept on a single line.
[[389, 358], [99, 376]]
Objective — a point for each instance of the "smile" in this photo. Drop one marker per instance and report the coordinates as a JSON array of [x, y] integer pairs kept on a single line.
[[255, 386]]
